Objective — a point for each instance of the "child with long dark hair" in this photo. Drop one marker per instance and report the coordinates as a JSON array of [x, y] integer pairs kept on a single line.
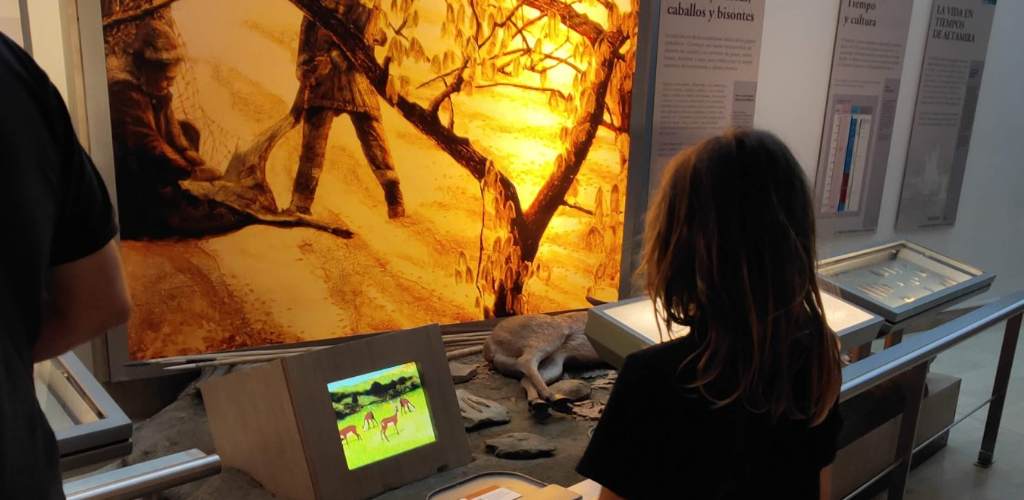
[[743, 406]]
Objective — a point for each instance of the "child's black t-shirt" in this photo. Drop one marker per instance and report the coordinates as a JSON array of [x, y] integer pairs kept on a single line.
[[658, 439]]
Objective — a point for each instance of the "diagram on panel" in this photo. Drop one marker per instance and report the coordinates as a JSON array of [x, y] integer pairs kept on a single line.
[[849, 153]]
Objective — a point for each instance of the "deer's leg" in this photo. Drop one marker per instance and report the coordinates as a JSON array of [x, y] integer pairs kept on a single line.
[[538, 406], [551, 369], [529, 365]]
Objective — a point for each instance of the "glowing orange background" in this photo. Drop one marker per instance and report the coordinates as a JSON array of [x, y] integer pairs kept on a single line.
[[263, 285]]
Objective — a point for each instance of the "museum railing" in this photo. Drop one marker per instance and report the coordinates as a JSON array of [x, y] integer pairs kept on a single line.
[[146, 478], [906, 366]]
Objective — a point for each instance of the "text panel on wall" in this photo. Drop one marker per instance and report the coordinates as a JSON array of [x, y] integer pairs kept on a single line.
[[707, 66], [947, 97], [867, 64]]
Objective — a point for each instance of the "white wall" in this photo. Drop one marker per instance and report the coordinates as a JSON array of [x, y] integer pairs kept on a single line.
[[989, 233], [48, 41]]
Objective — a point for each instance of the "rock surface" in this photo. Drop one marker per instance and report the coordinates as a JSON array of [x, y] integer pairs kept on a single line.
[[462, 372], [478, 412], [590, 410], [575, 390], [520, 446]]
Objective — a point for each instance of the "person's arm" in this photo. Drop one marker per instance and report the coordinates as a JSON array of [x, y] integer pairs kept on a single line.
[[825, 443], [825, 480], [86, 297], [309, 64]]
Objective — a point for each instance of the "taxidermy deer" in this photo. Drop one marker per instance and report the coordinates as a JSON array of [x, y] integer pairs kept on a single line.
[[345, 431], [536, 349], [387, 422]]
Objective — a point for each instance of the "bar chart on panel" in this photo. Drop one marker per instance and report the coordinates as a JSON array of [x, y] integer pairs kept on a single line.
[[848, 158]]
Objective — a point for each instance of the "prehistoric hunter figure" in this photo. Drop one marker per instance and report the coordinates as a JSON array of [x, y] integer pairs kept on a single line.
[[334, 86], [153, 149]]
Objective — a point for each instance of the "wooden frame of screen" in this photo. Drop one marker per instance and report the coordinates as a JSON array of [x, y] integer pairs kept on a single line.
[[308, 376]]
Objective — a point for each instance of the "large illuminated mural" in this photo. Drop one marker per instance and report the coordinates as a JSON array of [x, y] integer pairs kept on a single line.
[[293, 170]]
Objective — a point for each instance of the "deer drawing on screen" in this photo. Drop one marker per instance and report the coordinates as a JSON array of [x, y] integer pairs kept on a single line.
[[345, 431], [536, 349], [388, 422], [369, 421], [406, 406]]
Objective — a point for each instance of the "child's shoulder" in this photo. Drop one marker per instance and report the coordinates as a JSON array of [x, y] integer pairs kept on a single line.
[[663, 358]]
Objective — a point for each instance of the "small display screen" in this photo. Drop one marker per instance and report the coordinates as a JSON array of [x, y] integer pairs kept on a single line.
[[381, 414]]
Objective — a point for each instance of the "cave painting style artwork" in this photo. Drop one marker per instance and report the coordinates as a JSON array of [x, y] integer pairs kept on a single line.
[[292, 170], [381, 414]]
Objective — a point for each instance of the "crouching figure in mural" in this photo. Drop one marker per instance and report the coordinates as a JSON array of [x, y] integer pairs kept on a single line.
[[333, 86], [153, 149]]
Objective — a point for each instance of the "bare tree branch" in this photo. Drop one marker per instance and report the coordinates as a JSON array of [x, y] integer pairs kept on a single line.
[[577, 207], [562, 61], [452, 71], [521, 33], [581, 137], [400, 27], [451, 114], [561, 94], [502, 23], [477, 23], [124, 17], [572, 18], [612, 127], [455, 86]]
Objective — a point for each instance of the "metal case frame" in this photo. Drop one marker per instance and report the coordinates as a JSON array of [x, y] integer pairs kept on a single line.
[[603, 327], [105, 438], [978, 282]]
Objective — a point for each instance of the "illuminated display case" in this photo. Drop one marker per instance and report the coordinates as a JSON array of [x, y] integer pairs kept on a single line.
[[902, 282], [89, 426], [620, 328]]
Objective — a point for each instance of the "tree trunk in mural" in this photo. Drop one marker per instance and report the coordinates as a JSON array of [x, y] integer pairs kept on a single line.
[[603, 90]]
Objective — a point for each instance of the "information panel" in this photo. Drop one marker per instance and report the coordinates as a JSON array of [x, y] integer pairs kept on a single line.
[[954, 61], [706, 80], [867, 64]]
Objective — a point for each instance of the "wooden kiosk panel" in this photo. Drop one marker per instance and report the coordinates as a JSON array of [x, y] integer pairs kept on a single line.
[[277, 421], [254, 428]]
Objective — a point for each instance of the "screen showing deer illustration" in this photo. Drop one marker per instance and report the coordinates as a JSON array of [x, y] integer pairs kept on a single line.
[[381, 414], [292, 170]]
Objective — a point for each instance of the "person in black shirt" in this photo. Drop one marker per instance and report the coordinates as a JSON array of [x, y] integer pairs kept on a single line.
[[60, 274], [743, 405]]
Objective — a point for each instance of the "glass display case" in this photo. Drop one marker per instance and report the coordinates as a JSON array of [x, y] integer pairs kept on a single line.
[[902, 281], [620, 328], [89, 426]]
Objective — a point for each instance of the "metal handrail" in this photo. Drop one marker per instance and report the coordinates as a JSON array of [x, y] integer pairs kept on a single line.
[[925, 346], [145, 478], [906, 365]]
